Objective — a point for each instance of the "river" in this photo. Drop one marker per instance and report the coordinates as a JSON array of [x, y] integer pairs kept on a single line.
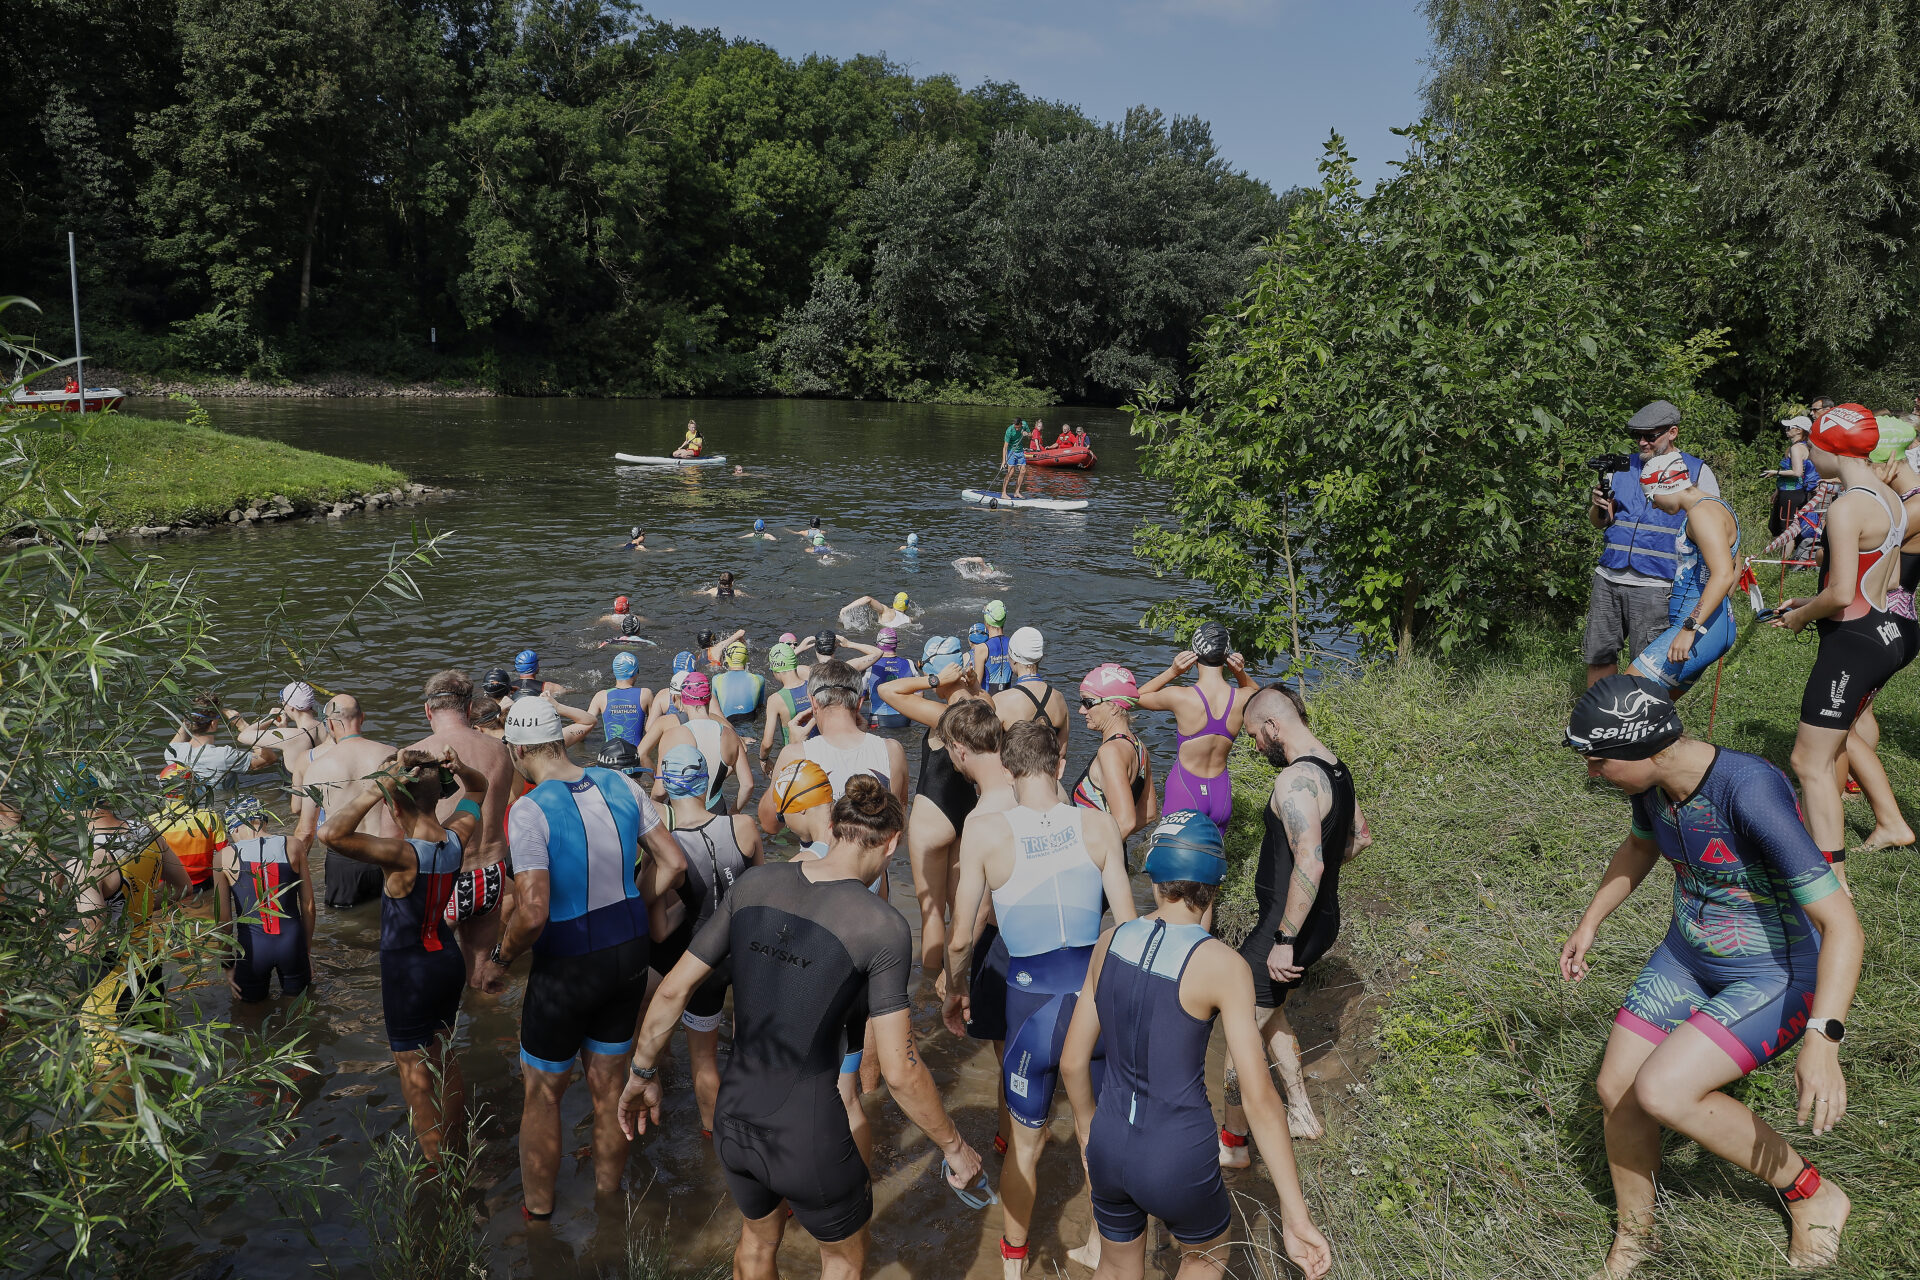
[[533, 557]]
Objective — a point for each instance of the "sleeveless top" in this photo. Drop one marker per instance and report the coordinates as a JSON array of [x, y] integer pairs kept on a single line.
[[1054, 896], [796, 700], [843, 764], [999, 672], [738, 694], [1896, 534], [890, 667], [625, 717], [1087, 793], [1273, 875], [1160, 1061], [267, 886], [419, 919], [714, 861], [706, 736], [1690, 572]]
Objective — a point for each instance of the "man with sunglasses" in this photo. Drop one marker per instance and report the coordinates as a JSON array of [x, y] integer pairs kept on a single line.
[[1634, 579]]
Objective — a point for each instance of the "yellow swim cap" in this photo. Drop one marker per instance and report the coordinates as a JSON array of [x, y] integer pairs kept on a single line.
[[736, 655], [900, 601], [801, 785]]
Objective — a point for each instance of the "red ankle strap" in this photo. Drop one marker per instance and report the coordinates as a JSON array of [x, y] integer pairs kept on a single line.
[[1228, 1138], [1803, 1186], [999, 1144], [1015, 1252]]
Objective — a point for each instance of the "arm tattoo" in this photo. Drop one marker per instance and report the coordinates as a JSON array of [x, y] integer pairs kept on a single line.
[[1302, 820]]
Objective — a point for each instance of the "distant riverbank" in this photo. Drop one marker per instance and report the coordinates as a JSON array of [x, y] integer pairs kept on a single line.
[[218, 386], [152, 477]]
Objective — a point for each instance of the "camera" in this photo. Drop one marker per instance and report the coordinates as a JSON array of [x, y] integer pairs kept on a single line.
[[1606, 464]]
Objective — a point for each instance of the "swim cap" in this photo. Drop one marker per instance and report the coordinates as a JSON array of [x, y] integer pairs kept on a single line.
[[635, 533], [1666, 473], [977, 633], [1111, 682], [736, 655], [888, 640], [1622, 717], [940, 653], [532, 721], [759, 526], [1026, 645], [79, 785], [1896, 433], [1210, 643], [825, 643], [1186, 846], [174, 779], [685, 661], [697, 689], [707, 639], [814, 523], [913, 539], [782, 658], [995, 613], [678, 682], [297, 696], [526, 662], [819, 539], [624, 666], [620, 754], [684, 771], [619, 604], [900, 601], [787, 637], [497, 682], [1849, 430], [245, 811], [801, 785]]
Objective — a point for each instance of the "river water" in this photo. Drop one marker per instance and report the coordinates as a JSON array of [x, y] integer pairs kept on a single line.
[[533, 557]]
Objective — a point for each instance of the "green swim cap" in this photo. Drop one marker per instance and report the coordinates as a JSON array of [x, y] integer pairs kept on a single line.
[[782, 658], [1895, 435], [995, 613]]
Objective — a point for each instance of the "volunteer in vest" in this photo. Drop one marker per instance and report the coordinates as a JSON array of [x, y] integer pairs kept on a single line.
[[841, 744], [1700, 625], [738, 692], [621, 712], [889, 666], [263, 892], [589, 853], [1637, 564]]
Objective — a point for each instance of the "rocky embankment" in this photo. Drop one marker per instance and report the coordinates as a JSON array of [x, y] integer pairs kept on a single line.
[[274, 508]]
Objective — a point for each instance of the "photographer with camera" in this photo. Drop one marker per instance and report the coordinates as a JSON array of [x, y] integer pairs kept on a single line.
[[1634, 579]]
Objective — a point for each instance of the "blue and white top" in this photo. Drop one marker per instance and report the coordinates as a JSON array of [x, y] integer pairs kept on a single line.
[[1054, 896], [586, 835]]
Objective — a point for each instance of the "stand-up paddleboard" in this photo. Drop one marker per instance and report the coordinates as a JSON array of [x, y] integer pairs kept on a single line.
[[980, 497], [648, 460]]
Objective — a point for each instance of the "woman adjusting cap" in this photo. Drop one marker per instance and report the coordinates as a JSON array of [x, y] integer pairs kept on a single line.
[[1849, 430], [1210, 643], [1186, 846]]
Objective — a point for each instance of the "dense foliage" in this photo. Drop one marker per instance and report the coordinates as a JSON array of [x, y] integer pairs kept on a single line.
[[1406, 396], [579, 198]]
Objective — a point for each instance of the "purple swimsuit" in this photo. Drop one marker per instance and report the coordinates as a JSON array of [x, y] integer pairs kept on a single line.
[[1212, 796]]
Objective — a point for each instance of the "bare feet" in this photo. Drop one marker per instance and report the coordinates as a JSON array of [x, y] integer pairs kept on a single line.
[[1816, 1226], [1888, 838], [1302, 1123], [1630, 1249]]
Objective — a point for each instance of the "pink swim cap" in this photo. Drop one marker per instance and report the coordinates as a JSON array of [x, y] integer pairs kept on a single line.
[[697, 690], [1111, 682]]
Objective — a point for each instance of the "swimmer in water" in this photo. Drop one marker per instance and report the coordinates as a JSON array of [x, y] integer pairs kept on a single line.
[[913, 545], [638, 542], [760, 532], [725, 590], [739, 471], [623, 617], [896, 616], [976, 568], [713, 648], [813, 527], [819, 546], [692, 446]]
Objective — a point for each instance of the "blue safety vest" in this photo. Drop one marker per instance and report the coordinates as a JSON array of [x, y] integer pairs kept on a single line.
[[1642, 538]]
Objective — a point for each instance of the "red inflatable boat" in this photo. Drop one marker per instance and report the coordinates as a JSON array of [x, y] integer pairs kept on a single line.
[[1074, 455]]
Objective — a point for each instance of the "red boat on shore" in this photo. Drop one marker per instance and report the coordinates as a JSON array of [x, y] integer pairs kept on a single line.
[[1078, 456]]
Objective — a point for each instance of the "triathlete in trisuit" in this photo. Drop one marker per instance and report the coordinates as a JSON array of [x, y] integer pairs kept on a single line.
[[422, 974], [1147, 1134], [890, 665], [1207, 717], [723, 589], [621, 712], [719, 849], [737, 692], [1313, 825], [1030, 697], [1862, 643], [894, 615], [484, 893], [990, 660], [785, 704], [692, 445], [812, 954], [264, 894], [1119, 778], [667, 701], [1700, 625], [1761, 949], [589, 852], [1890, 463], [1047, 864], [1013, 458], [701, 727]]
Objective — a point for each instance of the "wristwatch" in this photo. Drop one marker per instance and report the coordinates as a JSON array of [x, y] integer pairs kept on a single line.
[[1828, 1028], [933, 680], [1696, 626], [645, 1073], [494, 956], [1285, 939]]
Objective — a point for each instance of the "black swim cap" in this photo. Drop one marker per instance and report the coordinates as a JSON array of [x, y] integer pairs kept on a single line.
[[825, 643], [814, 523], [1623, 717], [618, 754], [497, 682], [708, 639], [1210, 644]]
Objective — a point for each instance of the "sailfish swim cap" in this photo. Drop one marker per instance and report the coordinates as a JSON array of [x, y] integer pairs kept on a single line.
[[526, 662], [977, 633], [1665, 474], [1186, 846], [1210, 643], [1623, 717], [1111, 682], [825, 643], [697, 690], [625, 665]]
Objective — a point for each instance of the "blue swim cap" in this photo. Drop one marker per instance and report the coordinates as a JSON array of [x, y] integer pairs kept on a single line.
[[977, 633], [759, 526], [78, 786], [684, 771], [624, 665], [913, 539], [1186, 846], [940, 653], [526, 662], [685, 661]]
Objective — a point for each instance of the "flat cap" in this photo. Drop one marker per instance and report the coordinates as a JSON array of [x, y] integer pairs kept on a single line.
[[1655, 416]]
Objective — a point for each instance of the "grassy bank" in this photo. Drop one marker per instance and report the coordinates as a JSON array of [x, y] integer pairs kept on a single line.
[[1475, 1149], [150, 472]]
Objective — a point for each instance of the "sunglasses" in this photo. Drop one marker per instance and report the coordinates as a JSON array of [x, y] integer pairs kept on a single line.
[[1641, 437]]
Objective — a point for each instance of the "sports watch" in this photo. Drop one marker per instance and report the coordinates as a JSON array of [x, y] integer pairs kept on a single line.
[[1285, 939], [1828, 1028], [645, 1073]]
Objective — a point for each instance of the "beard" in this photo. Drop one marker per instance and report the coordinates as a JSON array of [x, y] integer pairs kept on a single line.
[[1275, 753]]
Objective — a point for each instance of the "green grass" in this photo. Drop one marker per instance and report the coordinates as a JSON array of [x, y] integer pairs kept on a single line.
[[1474, 1149], [150, 472]]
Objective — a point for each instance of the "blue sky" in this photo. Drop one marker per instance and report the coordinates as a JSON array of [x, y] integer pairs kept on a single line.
[[1272, 76]]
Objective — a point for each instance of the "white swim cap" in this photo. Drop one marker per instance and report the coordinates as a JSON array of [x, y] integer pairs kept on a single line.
[[532, 721], [1027, 645]]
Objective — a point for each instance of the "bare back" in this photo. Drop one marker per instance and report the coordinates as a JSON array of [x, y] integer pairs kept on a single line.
[[336, 770]]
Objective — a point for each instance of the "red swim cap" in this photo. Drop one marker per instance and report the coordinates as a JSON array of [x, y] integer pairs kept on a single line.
[[1849, 430], [619, 604]]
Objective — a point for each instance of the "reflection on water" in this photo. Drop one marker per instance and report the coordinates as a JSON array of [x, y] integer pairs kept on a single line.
[[534, 557]]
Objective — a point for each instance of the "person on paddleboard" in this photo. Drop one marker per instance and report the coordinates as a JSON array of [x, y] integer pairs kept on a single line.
[[692, 446], [1013, 458]]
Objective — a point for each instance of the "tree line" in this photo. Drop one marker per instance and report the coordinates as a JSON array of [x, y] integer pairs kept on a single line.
[[1607, 202], [579, 198]]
